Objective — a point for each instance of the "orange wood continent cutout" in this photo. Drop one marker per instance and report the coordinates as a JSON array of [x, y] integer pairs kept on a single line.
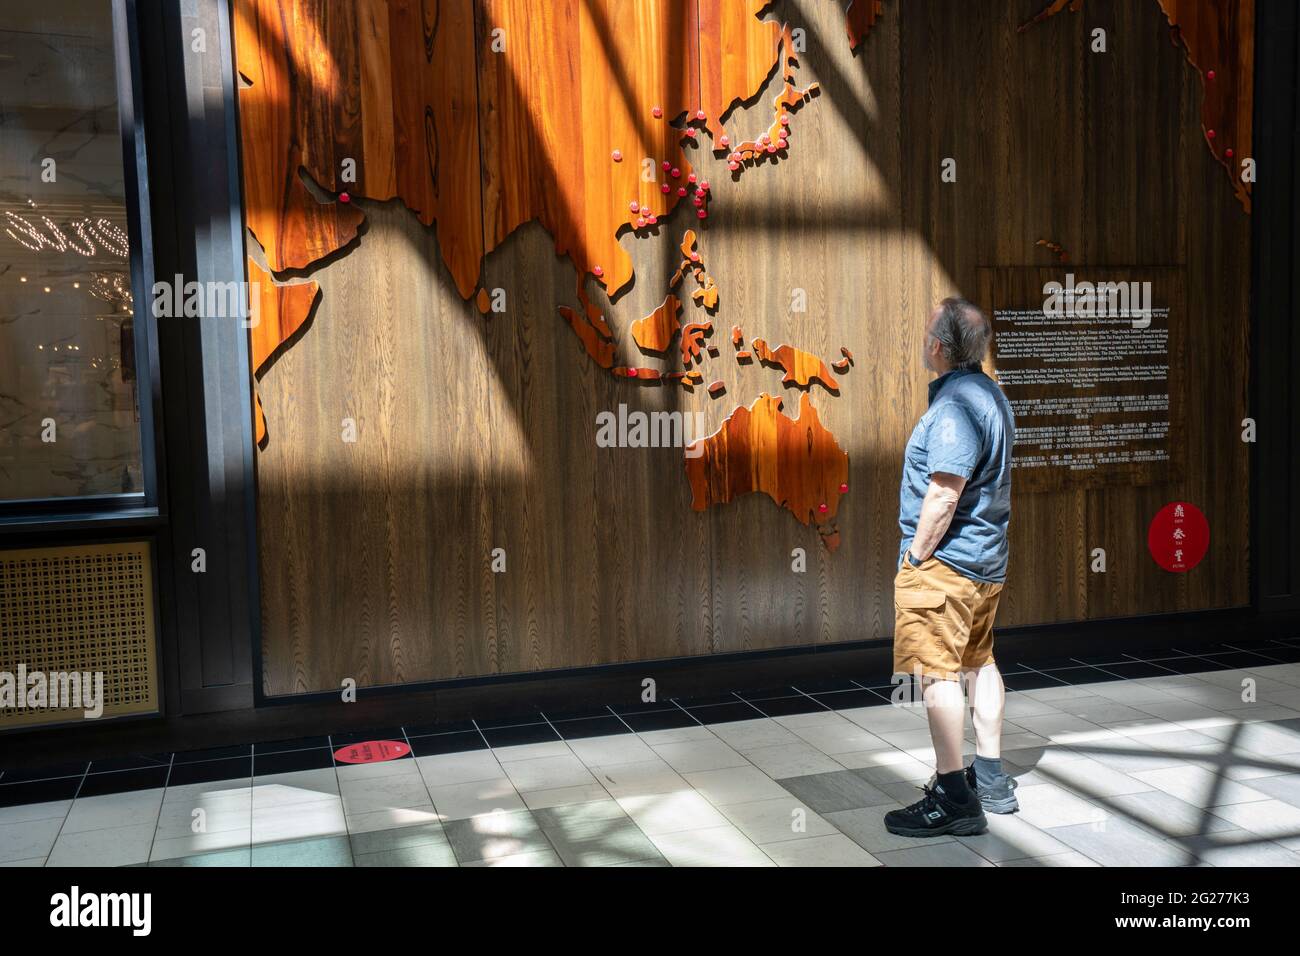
[[276, 312], [655, 332], [693, 337], [843, 364], [599, 347], [737, 54], [776, 140], [707, 293], [801, 368], [860, 17], [795, 461]]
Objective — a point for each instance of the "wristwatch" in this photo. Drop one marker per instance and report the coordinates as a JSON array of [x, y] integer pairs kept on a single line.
[[911, 559]]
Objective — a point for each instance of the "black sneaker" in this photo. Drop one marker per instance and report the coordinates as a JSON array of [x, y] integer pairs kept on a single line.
[[996, 797], [936, 814]]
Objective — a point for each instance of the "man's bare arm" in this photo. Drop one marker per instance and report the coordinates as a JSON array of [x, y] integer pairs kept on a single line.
[[937, 509]]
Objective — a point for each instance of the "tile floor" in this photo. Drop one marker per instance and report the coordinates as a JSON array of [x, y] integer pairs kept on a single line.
[[1159, 758]]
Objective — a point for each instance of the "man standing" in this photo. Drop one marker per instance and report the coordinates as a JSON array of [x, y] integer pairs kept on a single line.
[[954, 507]]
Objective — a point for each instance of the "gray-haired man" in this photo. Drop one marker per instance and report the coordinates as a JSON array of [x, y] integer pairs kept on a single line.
[[954, 507]]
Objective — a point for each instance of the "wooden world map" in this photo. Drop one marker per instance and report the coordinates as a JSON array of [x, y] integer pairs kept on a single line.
[[482, 115]]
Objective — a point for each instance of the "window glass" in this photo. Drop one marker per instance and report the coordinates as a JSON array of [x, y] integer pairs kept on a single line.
[[69, 419]]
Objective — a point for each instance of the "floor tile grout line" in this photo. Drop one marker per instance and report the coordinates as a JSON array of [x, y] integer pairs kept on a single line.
[[67, 813], [1102, 668], [423, 782], [610, 794], [518, 793], [347, 826], [619, 717], [815, 701], [685, 710], [487, 744], [694, 789], [698, 723], [483, 736], [533, 816], [338, 782], [738, 699], [162, 798], [1257, 652]]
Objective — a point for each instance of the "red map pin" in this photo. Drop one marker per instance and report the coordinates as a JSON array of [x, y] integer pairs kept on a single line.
[[1178, 536]]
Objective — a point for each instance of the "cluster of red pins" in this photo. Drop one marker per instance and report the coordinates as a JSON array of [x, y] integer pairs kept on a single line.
[[766, 143], [641, 209], [644, 217], [699, 187]]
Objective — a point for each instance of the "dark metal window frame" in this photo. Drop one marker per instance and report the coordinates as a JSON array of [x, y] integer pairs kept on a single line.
[[1275, 299], [185, 220], [147, 507]]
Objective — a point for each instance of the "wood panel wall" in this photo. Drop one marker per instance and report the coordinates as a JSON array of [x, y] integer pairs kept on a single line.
[[477, 432]]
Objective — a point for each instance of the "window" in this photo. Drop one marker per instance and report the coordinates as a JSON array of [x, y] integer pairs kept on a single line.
[[70, 376]]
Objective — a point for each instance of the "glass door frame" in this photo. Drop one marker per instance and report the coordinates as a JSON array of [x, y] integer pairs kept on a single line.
[[146, 507]]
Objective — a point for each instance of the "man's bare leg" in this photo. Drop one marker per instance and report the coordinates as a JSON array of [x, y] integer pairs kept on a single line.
[[949, 804], [987, 700], [946, 712]]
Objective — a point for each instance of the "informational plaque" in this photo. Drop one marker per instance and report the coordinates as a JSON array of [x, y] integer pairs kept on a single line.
[[1091, 361]]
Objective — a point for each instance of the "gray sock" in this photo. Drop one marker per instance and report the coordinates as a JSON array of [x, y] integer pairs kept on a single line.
[[987, 770]]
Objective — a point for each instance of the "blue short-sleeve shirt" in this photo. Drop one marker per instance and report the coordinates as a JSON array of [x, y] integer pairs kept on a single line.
[[968, 430]]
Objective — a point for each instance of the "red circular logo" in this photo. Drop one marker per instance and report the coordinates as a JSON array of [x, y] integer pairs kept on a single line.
[[1179, 536], [372, 751]]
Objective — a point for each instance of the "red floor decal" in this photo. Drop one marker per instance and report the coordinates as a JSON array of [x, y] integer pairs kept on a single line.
[[371, 751]]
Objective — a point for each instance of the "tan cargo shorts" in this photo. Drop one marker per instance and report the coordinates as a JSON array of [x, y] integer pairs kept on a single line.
[[943, 620]]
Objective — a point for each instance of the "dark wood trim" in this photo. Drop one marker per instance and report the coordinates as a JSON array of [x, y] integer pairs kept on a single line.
[[1275, 394], [208, 619]]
